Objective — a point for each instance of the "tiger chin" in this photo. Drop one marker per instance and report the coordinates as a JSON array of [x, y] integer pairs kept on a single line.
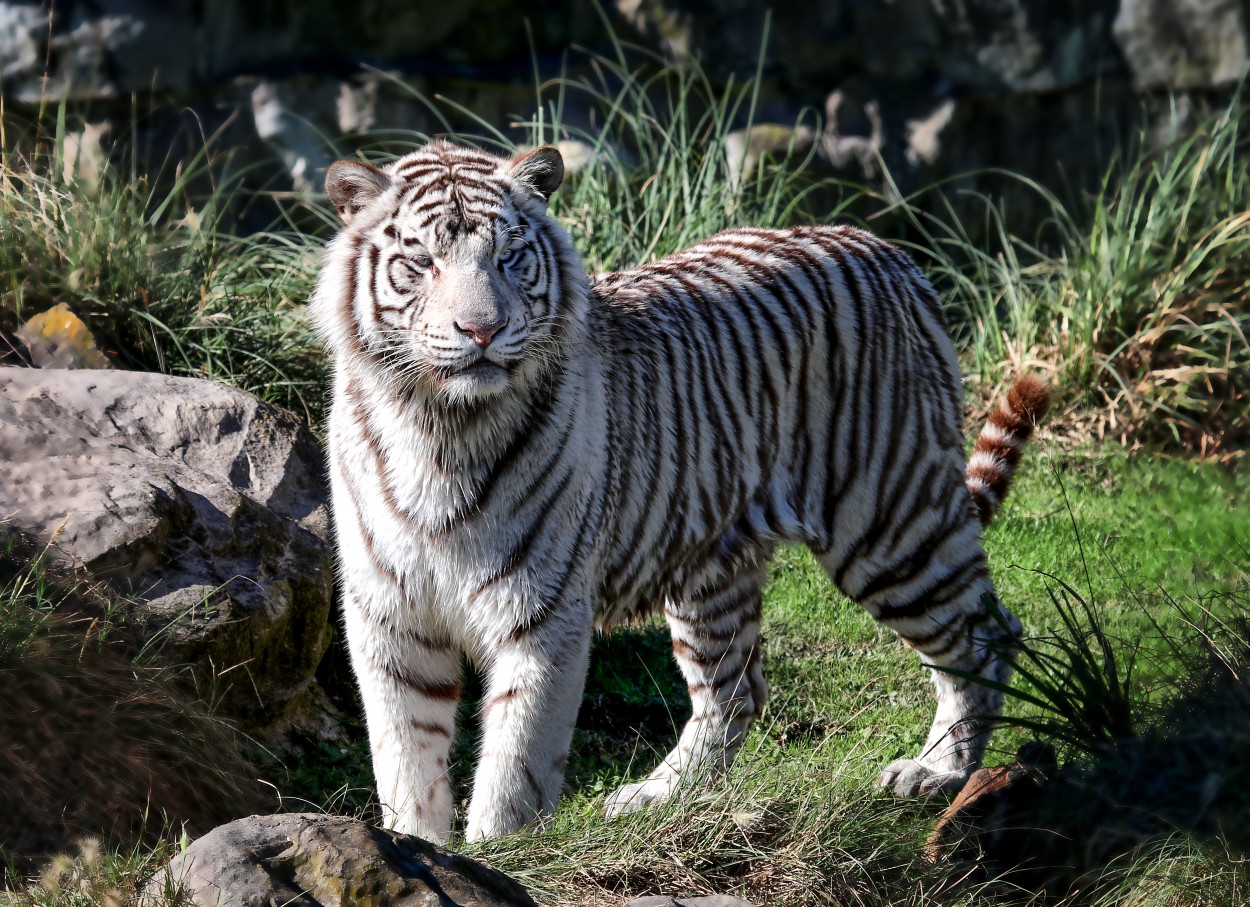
[[521, 454]]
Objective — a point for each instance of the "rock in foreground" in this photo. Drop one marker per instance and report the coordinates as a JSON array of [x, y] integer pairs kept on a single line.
[[308, 860], [197, 500]]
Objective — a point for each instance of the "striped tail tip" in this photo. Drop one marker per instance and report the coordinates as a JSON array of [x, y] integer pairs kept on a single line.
[[998, 449]]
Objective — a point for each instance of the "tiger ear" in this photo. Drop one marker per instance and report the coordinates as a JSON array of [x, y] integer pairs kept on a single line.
[[541, 171], [352, 184]]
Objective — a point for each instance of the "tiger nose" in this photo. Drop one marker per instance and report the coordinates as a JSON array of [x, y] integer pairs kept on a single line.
[[482, 334]]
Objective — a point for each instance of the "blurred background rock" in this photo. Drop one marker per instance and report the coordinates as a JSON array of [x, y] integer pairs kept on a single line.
[[919, 89]]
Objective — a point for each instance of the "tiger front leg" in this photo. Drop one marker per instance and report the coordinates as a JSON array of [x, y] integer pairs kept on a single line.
[[716, 645], [410, 686], [533, 692]]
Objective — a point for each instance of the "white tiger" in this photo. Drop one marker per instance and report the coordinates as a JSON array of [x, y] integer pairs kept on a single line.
[[521, 453]]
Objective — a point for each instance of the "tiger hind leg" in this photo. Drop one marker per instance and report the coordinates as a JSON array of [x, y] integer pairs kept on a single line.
[[938, 598], [715, 629]]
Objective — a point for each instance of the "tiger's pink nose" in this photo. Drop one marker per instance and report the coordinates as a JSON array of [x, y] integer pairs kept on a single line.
[[482, 334]]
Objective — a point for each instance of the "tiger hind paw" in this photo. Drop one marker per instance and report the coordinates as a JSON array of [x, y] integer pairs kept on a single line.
[[907, 778], [630, 798]]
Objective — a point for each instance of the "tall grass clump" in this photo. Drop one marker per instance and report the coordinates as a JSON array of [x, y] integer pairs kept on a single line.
[[1138, 302], [151, 266], [660, 176], [648, 169], [95, 739], [1153, 738], [1133, 300]]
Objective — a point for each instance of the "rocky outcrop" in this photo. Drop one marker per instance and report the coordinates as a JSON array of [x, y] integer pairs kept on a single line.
[[1182, 45], [307, 860], [976, 46], [285, 80], [111, 48], [202, 504], [928, 88], [115, 48]]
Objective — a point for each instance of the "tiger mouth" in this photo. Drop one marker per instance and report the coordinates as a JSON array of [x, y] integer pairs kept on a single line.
[[483, 367]]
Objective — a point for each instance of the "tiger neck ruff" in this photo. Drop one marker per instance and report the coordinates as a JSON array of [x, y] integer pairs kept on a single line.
[[520, 454]]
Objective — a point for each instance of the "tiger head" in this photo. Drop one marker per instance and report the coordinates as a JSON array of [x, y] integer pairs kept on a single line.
[[449, 274]]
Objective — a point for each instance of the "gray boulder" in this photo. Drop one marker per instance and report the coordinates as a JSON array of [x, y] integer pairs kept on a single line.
[[1184, 44], [202, 504], [308, 860]]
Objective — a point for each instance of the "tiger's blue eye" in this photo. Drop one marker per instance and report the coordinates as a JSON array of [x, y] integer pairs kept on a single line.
[[424, 261], [507, 255]]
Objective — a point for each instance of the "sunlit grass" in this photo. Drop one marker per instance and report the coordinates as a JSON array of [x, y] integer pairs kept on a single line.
[[1136, 303], [156, 273], [847, 698]]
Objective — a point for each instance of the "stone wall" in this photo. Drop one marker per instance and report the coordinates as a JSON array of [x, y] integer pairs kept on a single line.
[[937, 87]]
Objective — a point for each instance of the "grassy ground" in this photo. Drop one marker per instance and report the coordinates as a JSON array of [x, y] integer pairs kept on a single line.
[[96, 733], [798, 821], [1137, 312], [1146, 540]]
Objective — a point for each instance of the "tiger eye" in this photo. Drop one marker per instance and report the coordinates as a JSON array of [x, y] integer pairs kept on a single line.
[[402, 275]]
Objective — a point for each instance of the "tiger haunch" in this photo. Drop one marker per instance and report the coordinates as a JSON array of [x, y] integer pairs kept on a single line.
[[520, 453]]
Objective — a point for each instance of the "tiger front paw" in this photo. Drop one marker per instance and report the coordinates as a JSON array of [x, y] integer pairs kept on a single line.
[[907, 778]]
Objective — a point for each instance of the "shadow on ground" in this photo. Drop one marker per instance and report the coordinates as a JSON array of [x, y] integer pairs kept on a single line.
[[1185, 777]]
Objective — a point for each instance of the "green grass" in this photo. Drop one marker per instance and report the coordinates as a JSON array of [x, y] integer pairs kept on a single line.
[[1137, 302], [1133, 304], [659, 177], [150, 265], [798, 821]]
